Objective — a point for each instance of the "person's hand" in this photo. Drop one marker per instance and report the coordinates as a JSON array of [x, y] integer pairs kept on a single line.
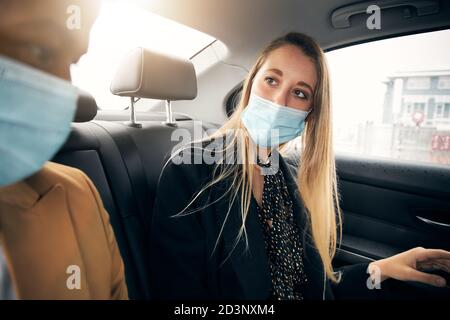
[[409, 266]]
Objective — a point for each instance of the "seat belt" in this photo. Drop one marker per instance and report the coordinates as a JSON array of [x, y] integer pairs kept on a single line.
[[134, 166], [141, 205]]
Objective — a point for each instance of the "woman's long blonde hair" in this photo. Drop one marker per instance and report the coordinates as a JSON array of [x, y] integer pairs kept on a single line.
[[316, 177]]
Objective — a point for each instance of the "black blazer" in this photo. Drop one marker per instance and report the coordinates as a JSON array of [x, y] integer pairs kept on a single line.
[[184, 264]]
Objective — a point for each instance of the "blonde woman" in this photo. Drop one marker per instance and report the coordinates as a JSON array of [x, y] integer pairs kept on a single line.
[[258, 226]]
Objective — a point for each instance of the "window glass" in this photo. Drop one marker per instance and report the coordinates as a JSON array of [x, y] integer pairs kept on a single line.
[[121, 27], [391, 98]]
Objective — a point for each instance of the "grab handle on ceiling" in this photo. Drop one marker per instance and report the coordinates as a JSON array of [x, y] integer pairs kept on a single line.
[[340, 18]]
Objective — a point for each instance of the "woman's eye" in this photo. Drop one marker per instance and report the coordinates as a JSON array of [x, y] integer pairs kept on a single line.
[[270, 81], [300, 94]]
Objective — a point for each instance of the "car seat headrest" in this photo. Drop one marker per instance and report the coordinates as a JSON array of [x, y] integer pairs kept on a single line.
[[86, 107], [147, 74]]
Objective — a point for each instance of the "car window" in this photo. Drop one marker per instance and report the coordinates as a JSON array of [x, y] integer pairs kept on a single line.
[[121, 27], [391, 98]]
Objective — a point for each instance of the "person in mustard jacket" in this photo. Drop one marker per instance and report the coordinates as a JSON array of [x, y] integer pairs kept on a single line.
[[55, 235]]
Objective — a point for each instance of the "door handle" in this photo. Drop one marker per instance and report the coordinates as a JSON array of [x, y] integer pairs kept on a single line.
[[433, 223]]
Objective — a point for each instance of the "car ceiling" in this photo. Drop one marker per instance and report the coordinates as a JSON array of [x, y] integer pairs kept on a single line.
[[244, 27]]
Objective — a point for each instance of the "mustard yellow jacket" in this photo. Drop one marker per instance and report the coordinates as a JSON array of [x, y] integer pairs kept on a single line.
[[54, 230]]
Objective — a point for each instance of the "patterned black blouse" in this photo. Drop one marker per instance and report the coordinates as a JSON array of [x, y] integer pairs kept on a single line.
[[282, 238]]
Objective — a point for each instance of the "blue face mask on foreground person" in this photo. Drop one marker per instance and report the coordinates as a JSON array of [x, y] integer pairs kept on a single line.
[[36, 110], [270, 124]]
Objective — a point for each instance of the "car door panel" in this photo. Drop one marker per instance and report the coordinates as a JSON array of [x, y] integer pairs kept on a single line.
[[387, 207]]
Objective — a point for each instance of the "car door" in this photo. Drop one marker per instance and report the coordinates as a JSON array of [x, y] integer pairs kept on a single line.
[[392, 141]]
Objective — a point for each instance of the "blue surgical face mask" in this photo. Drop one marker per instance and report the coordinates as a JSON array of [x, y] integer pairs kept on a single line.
[[36, 110], [270, 124]]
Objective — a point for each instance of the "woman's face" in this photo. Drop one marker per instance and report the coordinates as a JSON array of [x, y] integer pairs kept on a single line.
[[287, 77]]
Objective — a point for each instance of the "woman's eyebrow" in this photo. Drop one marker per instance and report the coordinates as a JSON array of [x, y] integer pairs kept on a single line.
[[277, 71], [300, 83], [304, 84]]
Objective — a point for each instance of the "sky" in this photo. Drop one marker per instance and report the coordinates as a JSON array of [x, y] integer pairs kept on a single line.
[[358, 72], [121, 27]]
